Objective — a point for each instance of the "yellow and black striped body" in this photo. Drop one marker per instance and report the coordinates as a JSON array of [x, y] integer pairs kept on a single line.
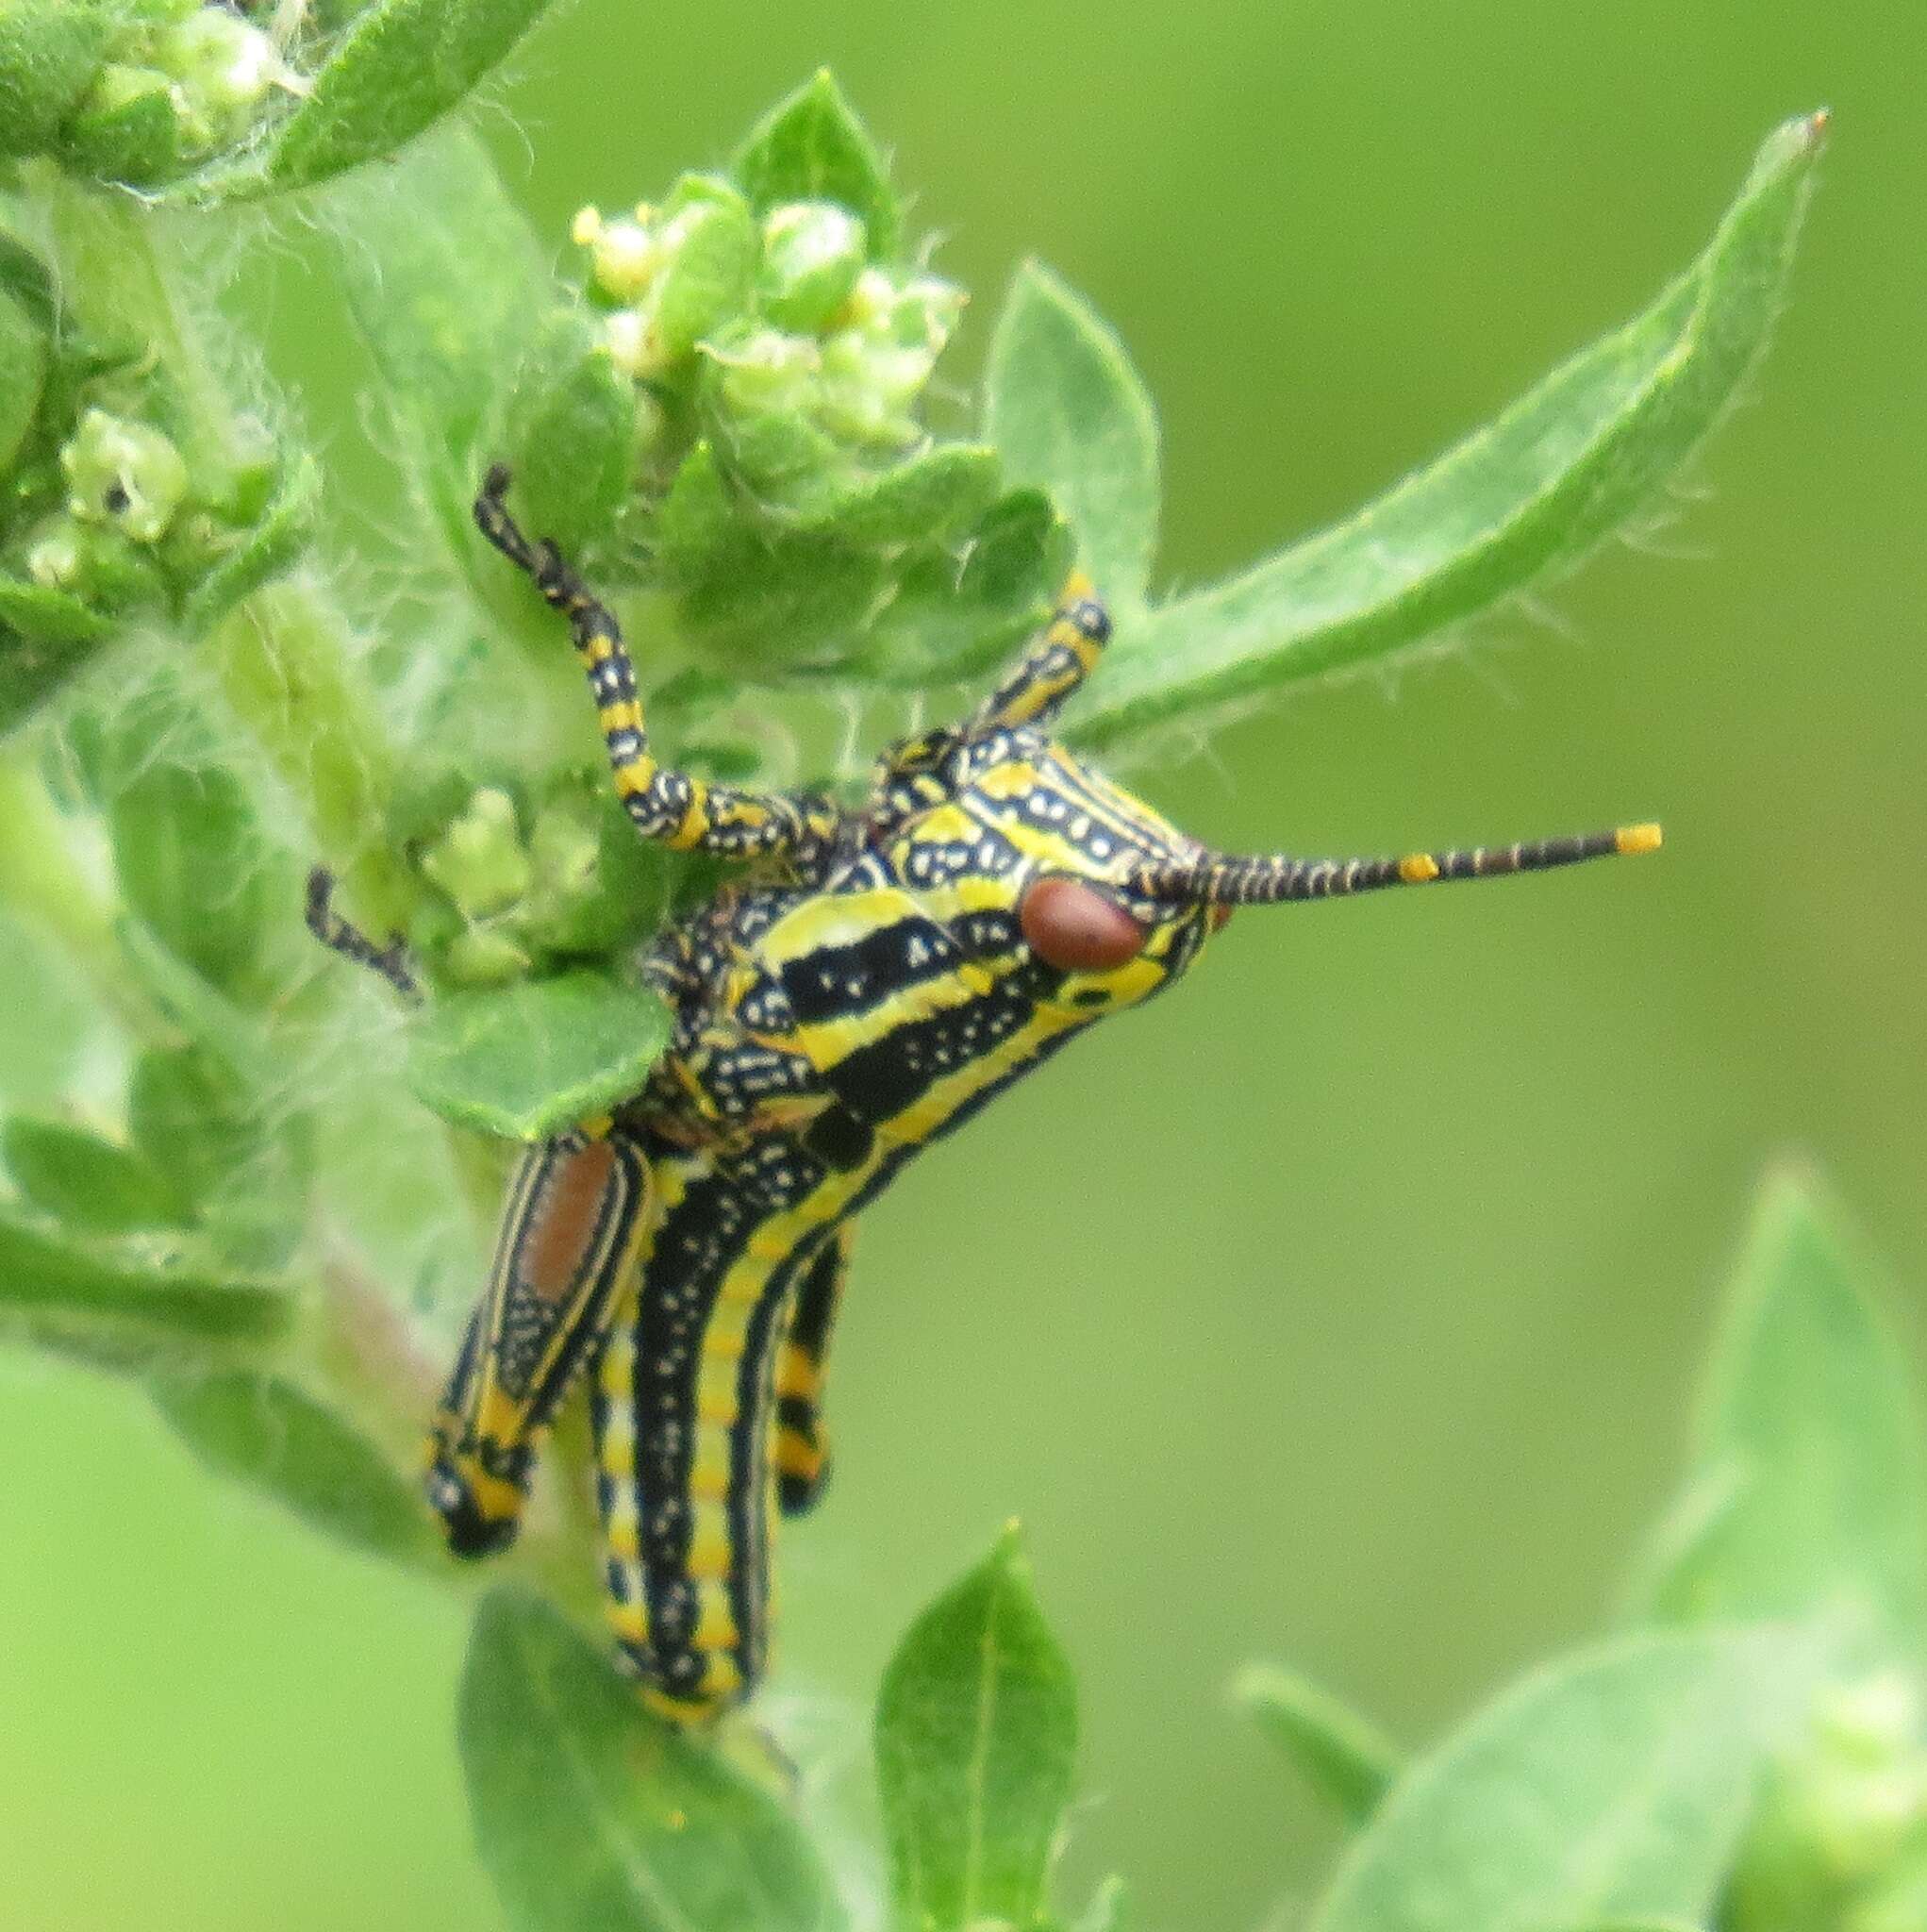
[[826, 1032]]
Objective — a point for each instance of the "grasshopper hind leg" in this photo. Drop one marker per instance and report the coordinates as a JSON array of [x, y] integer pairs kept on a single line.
[[563, 1259]]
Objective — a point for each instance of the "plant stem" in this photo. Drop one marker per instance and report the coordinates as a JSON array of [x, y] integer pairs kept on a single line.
[[42, 879]]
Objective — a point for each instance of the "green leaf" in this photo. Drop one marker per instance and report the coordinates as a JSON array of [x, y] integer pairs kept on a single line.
[[533, 1058], [46, 637], [572, 437], [1615, 1784], [49, 53], [446, 283], [1811, 1434], [1068, 413], [594, 1816], [1527, 497], [1343, 1756], [812, 147], [94, 1185], [955, 612], [29, 282], [244, 1168], [976, 1744], [64, 1295], [397, 69], [263, 1431], [22, 369], [932, 497], [271, 546], [188, 852]]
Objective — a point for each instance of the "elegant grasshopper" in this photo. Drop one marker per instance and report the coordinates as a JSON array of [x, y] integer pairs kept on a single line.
[[876, 979]]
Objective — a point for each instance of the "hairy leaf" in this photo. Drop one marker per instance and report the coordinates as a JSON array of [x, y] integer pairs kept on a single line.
[[94, 1185], [1345, 1758], [265, 1432], [1528, 496], [594, 1816], [22, 367], [49, 52], [398, 67], [272, 545], [68, 1296], [46, 637], [571, 435], [976, 1744], [447, 305], [1810, 1436], [1611, 1785], [1068, 413], [812, 147], [530, 1059]]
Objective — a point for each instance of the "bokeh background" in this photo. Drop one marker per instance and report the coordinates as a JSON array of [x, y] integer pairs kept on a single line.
[[1345, 1308]]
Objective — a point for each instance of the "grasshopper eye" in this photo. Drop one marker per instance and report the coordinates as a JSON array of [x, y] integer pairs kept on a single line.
[[1076, 928]]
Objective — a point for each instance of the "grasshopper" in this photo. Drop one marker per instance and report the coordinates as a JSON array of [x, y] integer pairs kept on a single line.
[[868, 984]]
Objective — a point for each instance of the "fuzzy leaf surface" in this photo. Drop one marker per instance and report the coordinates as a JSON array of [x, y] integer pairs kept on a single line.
[[594, 1816], [1526, 499], [1615, 1784], [530, 1059], [1068, 413]]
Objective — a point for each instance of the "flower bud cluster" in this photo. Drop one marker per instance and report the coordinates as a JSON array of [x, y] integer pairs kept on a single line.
[[181, 81], [805, 359], [519, 884]]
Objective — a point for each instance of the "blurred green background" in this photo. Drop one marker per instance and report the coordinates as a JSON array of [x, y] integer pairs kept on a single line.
[[1344, 1308]]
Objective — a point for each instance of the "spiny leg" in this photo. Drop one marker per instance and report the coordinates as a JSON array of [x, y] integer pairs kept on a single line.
[[1056, 662], [1217, 879], [802, 1442], [343, 936], [682, 812], [564, 1258]]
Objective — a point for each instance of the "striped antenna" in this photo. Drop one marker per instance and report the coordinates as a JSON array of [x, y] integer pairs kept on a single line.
[[1219, 879]]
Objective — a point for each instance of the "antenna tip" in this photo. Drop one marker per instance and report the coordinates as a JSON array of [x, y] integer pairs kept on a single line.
[[1635, 838]]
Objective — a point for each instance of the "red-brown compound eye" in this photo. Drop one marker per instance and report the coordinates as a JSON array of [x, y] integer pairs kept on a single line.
[[1076, 928]]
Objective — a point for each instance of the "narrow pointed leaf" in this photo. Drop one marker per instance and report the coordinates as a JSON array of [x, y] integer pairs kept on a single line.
[[976, 1742], [1615, 1784], [1812, 1428], [533, 1058], [812, 147], [92, 1185], [263, 1431], [1343, 1756], [1068, 413], [1526, 499], [1109, 1910], [594, 1816], [64, 1295]]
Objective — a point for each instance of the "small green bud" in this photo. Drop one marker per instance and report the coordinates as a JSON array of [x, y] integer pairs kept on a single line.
[[813, 254], [98, 564], [682, 277], [485, 955], [221, 69], [763, 372], [479, 861], [624, 255], [125, 474], [875, 368]]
